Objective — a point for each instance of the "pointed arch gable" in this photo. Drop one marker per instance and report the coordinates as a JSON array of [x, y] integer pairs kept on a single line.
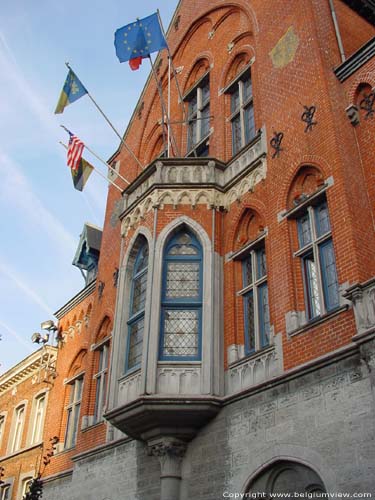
[[78, 363]]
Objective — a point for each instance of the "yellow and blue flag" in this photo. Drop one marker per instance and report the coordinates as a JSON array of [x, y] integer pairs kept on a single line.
[[81, 174], [139, 39], [72, 90]]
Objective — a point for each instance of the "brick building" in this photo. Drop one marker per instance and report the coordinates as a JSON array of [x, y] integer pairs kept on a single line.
[[236, 279], [24, 394]]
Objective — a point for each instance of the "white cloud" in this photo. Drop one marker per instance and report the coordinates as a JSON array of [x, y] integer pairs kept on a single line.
[[24, 286], [16, 81], [17, 191], [14, 334]]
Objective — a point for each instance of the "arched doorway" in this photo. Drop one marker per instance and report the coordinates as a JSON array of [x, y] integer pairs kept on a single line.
[[287, 477]]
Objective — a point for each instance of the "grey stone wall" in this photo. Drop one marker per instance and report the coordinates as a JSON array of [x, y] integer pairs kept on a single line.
[[323, 418]]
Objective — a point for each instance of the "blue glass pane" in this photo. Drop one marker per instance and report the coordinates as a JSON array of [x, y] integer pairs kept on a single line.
[[236, 134], [141, 260], [304, 230], [192, 134], [249, 123], [135, 343], [329, 275], [139, 293], [247, 272], [192, 105], [235, 100], [322, 220], [205, 93], [264, 315], [261, 263], [205, 122], [249, 321], [247, 88]]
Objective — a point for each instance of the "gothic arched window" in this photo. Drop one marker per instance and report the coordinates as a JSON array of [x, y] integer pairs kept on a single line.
[[181, 307], [137, 309]]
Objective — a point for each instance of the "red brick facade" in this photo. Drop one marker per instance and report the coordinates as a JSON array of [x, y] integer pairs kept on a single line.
[[291, 50]]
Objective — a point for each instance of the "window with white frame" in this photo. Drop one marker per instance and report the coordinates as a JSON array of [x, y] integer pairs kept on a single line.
[[254, 293], [26, 483], [5, 492], [73, 412], [101, 382], [181, 308], [2, 428], [198, 101], [19, 420], [317, 261], [241, 111], [136, 319], [39, 411]]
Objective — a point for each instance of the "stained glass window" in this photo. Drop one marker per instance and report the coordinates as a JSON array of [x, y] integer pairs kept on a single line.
[[181, 298], [137, 309]]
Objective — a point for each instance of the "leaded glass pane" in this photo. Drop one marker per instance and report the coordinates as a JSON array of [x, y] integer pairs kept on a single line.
[[322, 220], [182, 279], [304, 230], [139, 293], [261, 263], [192, 134], [329, 275], [247, 89], [264, 315], [249, 123], [135, 343], [205, 122], [205, 93], [249, 320], [312, 286], [236, 134], [235, 100], [181, 329], [142, 260], [192, 105], [247, 272]]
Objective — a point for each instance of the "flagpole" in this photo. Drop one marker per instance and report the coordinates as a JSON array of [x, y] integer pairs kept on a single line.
[[169, 101], [160, 90], [184, 115], [100, 159], [97, 171], [110, 124]]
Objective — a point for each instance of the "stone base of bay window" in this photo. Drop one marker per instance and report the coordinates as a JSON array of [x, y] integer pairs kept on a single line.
[[152, 417]]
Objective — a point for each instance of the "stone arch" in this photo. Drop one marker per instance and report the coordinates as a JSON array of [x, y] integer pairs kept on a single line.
[[286, 476], [306, 182], [240, 58], [200, 67], [104, 329], [78, 363], [314, 161], [288, 453], [250, 225]]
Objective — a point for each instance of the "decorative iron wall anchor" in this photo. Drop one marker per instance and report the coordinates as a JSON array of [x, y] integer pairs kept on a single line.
[[275, 143], [367, 104], [308, 117]]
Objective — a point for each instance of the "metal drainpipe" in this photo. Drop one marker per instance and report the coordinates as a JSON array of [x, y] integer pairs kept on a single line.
[[144, 388], [337, 31], [213, 298]]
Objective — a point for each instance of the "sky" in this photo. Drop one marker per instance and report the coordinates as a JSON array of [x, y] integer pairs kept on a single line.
[[41, 214]]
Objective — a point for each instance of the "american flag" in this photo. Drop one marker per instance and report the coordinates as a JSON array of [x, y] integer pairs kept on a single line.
[[74, 152]]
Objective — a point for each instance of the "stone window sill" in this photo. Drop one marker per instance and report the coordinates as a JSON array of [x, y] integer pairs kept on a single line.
[[317, 321], [254, 355]]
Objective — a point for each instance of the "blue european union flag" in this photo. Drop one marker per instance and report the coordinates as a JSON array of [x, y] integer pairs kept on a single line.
[[139, 39]]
